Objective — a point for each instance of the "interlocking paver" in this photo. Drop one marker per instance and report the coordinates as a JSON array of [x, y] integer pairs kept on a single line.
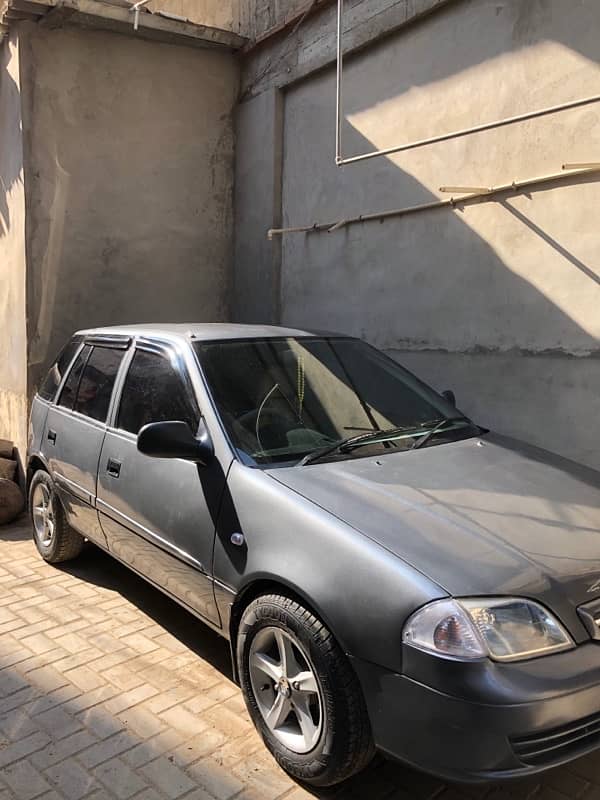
[[18, 751], [170, 779], [100, 699], [145, 751], [120, 779], [100, 722], [60, 751], [58, 723], [24, 780], [217, 780], [71, 779], [107, 749]]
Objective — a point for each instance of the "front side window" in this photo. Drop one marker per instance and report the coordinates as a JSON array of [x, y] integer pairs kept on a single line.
[[69, 390], [283, 398], [55, 374], [97, 381], [154, 391]]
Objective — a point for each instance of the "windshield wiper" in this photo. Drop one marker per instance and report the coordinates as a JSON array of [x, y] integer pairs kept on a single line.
[[437, 428], [373, 437], [331, 448], [386, 435]]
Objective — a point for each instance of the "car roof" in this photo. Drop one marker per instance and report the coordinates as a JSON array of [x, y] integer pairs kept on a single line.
[[205, 331]]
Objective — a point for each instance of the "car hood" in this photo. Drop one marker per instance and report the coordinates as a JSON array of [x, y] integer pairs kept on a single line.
[[481, 516]]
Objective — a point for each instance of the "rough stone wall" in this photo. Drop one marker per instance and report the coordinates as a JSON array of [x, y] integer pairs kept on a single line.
[[499, 301], [13, 343], [129, 171]]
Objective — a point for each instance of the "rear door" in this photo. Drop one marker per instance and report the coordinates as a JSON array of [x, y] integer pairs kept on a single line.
[[75, 428], [156, 513]]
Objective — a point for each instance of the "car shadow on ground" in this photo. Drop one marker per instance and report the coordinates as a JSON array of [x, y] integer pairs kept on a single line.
[[382, 778], [97, 567]]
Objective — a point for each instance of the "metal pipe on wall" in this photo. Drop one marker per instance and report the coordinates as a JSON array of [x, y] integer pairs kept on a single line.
[[338, 85], [499, 123], [482, 195]]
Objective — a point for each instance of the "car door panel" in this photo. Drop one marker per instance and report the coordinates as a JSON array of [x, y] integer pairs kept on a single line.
[[75, 429], [155, 514], [166, 534], [72, 455]]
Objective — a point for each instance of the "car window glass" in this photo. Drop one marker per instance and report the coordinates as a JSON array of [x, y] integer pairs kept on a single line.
[[97, 381], [69, 390], [282, 398], [55, 374], [154, 391]]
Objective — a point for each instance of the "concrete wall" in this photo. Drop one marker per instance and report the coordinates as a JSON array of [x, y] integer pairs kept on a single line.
[[13, 342], [216, 13], [499, 301], [129, 171], [253, 17]]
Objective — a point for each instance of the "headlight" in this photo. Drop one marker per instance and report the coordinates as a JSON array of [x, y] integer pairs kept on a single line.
[[503, 628]]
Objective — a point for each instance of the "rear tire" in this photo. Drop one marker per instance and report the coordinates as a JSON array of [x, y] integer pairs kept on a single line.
[[55, 540], [325, 737]]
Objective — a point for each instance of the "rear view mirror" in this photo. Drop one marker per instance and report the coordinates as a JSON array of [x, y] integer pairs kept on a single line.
[[448, 395], [174, 439]]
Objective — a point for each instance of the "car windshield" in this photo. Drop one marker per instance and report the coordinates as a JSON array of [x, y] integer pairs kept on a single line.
[[282, 399]]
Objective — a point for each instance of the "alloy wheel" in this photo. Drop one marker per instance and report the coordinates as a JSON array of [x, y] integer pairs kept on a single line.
[[286, 689], [43, 514]]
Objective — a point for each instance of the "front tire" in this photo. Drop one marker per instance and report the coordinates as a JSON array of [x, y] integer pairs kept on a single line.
[[55, 540], [302, 693]]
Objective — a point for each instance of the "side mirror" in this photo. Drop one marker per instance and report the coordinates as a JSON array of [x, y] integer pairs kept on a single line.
[[448, 395], [175, 440]]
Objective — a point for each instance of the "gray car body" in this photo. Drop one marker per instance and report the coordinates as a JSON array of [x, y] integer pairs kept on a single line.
[[364, 542]]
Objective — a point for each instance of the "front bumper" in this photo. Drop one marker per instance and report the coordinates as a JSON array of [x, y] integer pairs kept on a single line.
[[485, 721]]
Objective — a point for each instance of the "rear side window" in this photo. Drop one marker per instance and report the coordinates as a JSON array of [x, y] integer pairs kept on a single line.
[[97, 381], [154, 391], [55, 374], [69, 390]]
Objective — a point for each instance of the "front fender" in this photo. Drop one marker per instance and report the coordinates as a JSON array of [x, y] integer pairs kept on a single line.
[[362, 592]]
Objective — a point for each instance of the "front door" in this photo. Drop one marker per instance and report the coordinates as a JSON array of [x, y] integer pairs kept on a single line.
[[154, 511], [74, 432]]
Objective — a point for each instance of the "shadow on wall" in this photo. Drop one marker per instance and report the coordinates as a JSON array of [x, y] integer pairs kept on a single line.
[[505, 283], [11, 161], [481, 294], [467, 34], [429, 289], [423, 281]]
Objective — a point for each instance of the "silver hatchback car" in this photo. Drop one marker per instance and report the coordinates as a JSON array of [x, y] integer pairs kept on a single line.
[[389, 574]]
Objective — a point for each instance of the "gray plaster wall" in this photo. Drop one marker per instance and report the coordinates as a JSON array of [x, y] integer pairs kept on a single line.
[[13, 342], [499, 301], [128, 176]]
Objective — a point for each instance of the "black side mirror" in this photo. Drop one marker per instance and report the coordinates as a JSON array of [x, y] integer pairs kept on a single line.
[[448, 395], [175, 440]]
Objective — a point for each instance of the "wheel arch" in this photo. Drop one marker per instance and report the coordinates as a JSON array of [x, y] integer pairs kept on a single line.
[[268, 584], [35, 463]]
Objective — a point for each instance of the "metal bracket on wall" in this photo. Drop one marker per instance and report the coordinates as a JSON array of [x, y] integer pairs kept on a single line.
[[135, 8], [340, 160], [466, 196]]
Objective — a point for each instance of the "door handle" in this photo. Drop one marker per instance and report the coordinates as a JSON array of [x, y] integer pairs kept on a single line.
[[52, 436], [113, 467]]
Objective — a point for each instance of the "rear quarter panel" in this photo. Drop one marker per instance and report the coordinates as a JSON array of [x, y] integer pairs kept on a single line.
[[37, 423]]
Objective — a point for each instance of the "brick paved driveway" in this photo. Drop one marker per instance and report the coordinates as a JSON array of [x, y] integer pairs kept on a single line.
[[109, 690]]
